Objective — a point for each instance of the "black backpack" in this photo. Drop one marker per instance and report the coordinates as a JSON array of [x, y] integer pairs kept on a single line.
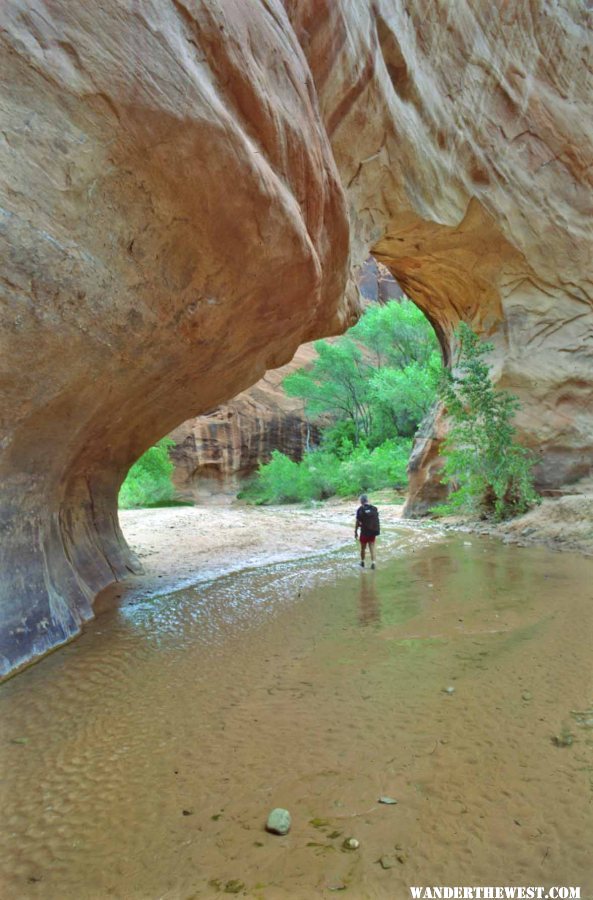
[[369, 519]]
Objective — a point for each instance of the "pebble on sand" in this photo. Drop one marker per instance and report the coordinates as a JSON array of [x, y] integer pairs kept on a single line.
[[279, 821], [351, 844], [449, 690]]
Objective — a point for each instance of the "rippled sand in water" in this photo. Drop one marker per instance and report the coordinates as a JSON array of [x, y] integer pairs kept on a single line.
[[141, 761]]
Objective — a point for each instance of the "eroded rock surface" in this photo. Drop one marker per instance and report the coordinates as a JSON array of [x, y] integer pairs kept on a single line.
[[471, 177], [214, 453], [185, 186], [173, 226]]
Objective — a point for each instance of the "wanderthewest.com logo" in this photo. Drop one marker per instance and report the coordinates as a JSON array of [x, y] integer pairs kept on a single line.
[[530, 892]]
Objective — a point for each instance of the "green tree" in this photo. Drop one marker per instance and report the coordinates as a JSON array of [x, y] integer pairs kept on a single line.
[[401, 397], [397, 334], [491, 474], [376, 383], [337, 384], [148, 482]]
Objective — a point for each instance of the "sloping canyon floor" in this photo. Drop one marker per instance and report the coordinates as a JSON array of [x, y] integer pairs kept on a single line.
[[142, 760]]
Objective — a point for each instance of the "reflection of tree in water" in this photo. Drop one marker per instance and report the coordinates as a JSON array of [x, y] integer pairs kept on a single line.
[[368, 605]]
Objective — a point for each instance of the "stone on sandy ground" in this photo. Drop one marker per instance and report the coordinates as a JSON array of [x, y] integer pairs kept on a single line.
[[351, 844], [279, 821]]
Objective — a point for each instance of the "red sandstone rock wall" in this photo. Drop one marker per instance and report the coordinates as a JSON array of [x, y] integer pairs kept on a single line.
[[173, 225], [186, 186], [214, 453], [471, 179]]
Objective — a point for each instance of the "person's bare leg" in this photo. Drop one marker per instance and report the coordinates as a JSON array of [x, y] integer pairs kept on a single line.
[[372, 549], [363, 548]]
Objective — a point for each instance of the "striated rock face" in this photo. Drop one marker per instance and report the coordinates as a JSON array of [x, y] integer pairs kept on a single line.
[[376, 283], [463, 134], [185, 185], [214, 453], [426, 488], [173, 226]]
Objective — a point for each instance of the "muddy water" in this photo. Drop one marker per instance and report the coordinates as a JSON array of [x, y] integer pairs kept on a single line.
[[141, 761]]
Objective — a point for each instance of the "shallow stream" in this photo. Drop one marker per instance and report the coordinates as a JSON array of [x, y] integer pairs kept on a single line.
[[141, 761]]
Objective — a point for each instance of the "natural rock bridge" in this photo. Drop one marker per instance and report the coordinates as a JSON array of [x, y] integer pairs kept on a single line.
[[188, 187]]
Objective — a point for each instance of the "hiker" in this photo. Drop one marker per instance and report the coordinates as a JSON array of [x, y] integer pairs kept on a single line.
[[367, 521]]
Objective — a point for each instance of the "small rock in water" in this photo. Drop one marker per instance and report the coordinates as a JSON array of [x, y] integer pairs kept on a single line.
[[279, 821], [351, 844], [234, 887], [388, 862], [449, 690], [526, 695], [387, 800]]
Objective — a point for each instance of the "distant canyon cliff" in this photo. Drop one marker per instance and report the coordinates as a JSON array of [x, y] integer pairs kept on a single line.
[[188, 190], [214, 453]]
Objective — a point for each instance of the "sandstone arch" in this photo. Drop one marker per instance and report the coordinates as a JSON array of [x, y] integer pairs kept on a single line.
[[185, 188]]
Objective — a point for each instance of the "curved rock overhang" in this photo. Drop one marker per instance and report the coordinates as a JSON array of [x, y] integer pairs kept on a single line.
[[186, 188], [464, 138]]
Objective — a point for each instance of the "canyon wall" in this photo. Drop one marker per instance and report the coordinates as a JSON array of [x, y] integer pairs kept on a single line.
[[214, 453], [173, 225], [186, 189], [463, 135]]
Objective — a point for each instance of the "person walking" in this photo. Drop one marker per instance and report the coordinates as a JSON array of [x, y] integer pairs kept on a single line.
[[367, 522]]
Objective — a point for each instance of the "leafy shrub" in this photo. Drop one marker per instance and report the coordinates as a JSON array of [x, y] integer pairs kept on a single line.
[[322, 474], [280, 481], [148, 482], [490, 472]]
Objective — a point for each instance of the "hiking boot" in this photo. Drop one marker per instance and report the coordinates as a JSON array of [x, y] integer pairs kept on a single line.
[[362, 563], [372, 565]]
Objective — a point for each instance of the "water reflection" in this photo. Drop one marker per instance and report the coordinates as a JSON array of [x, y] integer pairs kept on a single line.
[[368, 602]]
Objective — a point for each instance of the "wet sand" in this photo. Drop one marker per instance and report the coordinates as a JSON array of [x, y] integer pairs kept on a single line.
[[181, 544], [141, 761]]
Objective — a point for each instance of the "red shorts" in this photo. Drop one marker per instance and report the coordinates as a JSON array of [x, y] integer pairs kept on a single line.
[[367, 539]]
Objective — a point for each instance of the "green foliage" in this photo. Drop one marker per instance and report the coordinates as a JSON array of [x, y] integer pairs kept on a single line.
[[379, 380], [148, 483], [397, 334], [401, 397], [365, 470], [322, 474], [336, 384], [490, 472], [374, 385]]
